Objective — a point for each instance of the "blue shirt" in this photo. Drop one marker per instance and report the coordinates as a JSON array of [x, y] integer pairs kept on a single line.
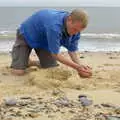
[[46, 30]]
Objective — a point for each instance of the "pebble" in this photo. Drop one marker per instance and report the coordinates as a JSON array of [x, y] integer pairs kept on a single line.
[[26, 97], [4, 73], [82, 57], [72, 111], [10, 101], [80, 96], [109, 105], [85, 101], [28, 107], [51, 116], [62, 102], [97, 106], [34, 115], [112, 57], [117, 110]]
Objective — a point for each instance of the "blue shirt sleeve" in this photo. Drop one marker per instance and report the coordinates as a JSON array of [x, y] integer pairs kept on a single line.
[[73, 45], [53, 38]]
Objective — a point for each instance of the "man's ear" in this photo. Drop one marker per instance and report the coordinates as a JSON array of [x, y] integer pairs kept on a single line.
[[69, 18]]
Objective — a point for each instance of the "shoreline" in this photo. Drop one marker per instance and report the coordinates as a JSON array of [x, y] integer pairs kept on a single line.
[[62, 52]]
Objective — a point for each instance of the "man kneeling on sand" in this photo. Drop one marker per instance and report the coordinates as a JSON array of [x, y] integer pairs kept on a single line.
[[45, 32]]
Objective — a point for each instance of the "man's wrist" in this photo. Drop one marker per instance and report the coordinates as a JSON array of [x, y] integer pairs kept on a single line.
[[77, 67]]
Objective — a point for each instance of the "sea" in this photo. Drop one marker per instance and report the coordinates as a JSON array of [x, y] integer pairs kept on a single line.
[[102, 33]]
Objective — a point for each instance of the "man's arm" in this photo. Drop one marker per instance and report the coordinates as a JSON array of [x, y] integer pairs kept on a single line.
[[82, 70], [66, 61], [74, 57]]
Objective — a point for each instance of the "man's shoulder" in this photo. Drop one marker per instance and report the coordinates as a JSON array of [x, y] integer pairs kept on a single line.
[[53, 18], [51, 11]]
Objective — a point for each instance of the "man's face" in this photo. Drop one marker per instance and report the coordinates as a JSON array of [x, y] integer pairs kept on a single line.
[[73, 27]]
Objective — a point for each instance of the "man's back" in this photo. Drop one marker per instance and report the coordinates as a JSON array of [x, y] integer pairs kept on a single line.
[[36, 27]]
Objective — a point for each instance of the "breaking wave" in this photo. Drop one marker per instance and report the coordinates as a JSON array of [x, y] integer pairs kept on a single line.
[[101, 35], [8, 34]]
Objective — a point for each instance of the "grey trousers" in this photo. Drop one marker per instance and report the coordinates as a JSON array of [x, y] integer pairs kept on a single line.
[[21, 52]]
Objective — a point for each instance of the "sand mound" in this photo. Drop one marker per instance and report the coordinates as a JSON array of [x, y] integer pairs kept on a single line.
[[67, 78], [49, 78]]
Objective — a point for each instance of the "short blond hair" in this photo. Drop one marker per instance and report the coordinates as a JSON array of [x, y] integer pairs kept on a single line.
[[80, 15]]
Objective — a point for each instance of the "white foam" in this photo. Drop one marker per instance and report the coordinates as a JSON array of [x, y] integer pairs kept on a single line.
[[85, 35], [6, 33], [101, 35]]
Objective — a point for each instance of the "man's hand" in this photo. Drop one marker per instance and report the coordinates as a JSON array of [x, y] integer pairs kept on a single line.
[[84, 71]]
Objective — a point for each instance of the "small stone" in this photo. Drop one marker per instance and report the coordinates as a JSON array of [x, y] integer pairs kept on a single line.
[[117, 111], [23, 103], [10, 101], [55, 92], [80, 96], [4, 73], [85, 101], [112, 57], [108, 105], [97, 106], [51, 116], [72, 111], [39, 98], [33, 115], [82, 57], [25, 97]]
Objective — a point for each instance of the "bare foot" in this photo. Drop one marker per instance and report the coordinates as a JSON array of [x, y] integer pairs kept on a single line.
[[18, 72]]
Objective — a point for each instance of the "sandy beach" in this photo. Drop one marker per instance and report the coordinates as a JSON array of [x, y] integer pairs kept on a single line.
[[38, 94]]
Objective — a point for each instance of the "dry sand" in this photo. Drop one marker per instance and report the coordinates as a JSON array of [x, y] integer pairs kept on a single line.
[[102, 87]]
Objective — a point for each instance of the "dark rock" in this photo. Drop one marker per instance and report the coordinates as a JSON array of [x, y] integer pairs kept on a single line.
[[82, 57], [25, 97], [108, 105], [4, 73], [80, 96], [84, 100], [112, 57]]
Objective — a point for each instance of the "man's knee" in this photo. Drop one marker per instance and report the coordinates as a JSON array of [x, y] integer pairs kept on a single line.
[[18, 72]]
